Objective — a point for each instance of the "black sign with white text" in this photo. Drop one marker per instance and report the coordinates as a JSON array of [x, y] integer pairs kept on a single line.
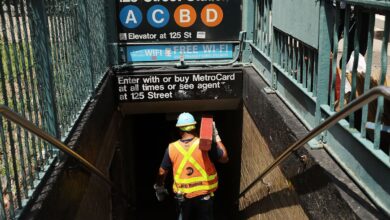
[[179, 86], [178, 20]]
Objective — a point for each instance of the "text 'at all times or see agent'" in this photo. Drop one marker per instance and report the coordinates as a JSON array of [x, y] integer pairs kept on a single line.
[[181, 86], [158, 16]]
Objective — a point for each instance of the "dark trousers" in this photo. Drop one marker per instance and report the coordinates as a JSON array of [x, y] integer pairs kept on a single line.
[[198, 208]]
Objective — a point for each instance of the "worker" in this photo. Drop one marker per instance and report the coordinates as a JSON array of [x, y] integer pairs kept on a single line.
[[194, 174]]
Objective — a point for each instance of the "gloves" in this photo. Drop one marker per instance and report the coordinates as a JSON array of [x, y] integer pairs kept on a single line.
[[216, 137], [161, 192]]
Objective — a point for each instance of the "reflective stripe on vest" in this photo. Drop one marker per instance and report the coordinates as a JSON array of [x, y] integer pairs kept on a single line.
[[187, 157], [196, 188]]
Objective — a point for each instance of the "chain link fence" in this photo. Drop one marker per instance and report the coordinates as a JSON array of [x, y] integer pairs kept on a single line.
[[53, 55]]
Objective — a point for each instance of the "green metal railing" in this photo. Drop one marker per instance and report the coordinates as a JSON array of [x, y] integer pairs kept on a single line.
[[310, 44], [365, 24], [297, 59], [53, 56], [78, 43], [262, 34], [23, 156]]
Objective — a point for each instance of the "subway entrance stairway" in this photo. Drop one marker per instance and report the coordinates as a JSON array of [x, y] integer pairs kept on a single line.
[[129, 149], [150, 136], [90, 91]]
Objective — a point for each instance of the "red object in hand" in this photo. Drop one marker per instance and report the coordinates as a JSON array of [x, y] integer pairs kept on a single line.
[[206, 133]]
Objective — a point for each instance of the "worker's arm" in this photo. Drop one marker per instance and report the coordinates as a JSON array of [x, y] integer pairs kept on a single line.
[[161, 191], [165, 166], [223, 158], [162, 173]]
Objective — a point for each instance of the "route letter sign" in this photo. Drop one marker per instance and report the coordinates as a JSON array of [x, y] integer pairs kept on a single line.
[[178, 20]]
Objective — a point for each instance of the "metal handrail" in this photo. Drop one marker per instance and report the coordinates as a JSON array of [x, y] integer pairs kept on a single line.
[[351, 107], [18, 119]]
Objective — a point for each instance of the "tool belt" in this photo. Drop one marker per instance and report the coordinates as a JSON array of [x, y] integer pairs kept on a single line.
[[182, 198]]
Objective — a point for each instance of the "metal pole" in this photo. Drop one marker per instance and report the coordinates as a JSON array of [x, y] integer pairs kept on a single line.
[[16, 118], [353, 106]]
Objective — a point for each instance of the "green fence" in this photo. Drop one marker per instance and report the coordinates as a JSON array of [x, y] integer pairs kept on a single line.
[[78, 44], [53, 56], [308, 52]]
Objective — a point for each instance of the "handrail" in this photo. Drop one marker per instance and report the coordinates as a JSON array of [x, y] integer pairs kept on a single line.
[[18, 119], [351, 107]]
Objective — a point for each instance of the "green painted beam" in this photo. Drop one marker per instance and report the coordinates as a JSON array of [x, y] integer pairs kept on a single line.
[[324, 48]]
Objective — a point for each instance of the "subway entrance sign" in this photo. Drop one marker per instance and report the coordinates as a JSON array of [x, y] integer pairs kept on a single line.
[[151, 21], [179, 86], [203, 88]]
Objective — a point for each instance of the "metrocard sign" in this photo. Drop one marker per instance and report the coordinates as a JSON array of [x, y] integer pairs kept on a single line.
[[178, 20]]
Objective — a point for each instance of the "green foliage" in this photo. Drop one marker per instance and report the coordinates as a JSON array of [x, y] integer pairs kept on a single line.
[[14, 63]]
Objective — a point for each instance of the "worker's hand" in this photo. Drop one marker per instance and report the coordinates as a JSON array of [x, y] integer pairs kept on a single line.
[[161, 192], [216, 137]]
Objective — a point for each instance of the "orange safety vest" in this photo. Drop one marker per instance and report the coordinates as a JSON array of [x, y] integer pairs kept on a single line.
[[193, 172]]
